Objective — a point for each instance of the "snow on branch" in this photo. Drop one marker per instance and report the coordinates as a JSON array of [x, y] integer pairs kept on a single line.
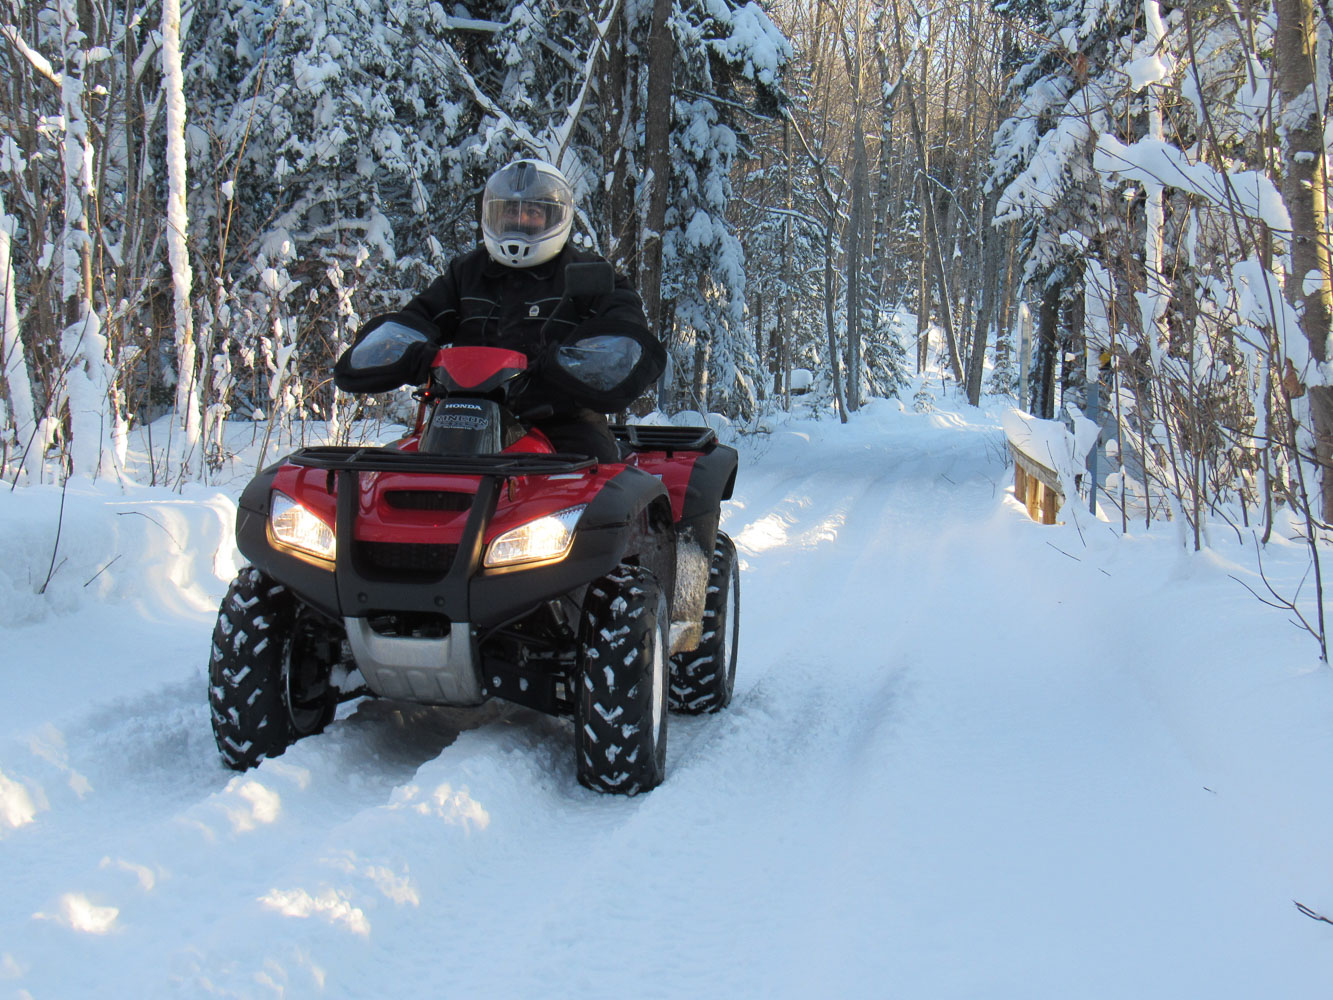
[[553, 143], [566, 128], [39, 62], [520, 132], [1155, 162], [1260, 305], [452, 23]]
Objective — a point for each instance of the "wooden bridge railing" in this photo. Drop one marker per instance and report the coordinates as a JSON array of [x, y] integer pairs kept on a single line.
[[1048, 459], [1036, 487]]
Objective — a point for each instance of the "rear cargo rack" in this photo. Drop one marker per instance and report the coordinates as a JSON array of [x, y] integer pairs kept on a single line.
[[663, 437], [391, 460]]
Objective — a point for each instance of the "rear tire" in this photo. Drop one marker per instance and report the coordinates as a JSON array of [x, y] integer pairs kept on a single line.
[[268, 677], [620, 713], [703, 679]]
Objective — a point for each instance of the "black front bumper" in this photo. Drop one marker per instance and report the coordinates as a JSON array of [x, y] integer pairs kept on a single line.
[[463, 591]]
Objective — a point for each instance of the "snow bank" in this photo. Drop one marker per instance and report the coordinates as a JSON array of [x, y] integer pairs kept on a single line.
[[91, 544]]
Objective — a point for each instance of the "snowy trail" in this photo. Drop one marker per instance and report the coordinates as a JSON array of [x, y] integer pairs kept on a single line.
[[960, 763]]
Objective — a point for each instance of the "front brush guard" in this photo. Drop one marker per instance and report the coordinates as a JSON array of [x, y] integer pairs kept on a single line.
[[451, 594], [502, 466]]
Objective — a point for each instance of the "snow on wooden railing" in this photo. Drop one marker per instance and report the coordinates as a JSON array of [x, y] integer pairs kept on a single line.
[[1049, 459]]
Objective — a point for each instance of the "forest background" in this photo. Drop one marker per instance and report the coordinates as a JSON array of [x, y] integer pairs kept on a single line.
[[1100, 206]]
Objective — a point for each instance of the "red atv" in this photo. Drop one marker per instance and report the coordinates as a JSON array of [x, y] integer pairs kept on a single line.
[[470, 561]]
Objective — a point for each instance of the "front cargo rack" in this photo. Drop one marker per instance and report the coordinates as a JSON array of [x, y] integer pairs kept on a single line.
[[664, 437], [365, 459]]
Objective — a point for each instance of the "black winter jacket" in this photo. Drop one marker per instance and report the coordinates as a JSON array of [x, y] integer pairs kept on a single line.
[[478, 301]]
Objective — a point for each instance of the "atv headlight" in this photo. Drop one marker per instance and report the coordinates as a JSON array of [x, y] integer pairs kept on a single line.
[[546, 538], [295, 526]]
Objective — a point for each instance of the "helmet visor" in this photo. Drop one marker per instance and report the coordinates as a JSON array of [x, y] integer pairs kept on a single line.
[[530, 218]]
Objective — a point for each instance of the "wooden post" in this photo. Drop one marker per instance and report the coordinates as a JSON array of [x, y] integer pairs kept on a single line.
[[1048, 506], [1036, 486]]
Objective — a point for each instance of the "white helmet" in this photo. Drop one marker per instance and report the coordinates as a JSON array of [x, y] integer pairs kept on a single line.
[[527, 211]]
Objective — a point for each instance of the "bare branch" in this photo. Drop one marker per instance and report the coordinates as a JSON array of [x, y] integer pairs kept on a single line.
[[1311, 913]]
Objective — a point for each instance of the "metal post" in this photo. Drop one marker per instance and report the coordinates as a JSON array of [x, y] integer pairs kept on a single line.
[[1095, 415], [1024, 354]]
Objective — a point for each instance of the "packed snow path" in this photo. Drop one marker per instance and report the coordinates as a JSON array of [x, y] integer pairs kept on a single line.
[[969, 756]]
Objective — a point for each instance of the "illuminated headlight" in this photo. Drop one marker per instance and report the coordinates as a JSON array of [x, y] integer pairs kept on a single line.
[[546, 538], [295, 526]]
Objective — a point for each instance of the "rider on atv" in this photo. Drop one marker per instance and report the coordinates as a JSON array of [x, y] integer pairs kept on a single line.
[[475, 558], [503, 294]]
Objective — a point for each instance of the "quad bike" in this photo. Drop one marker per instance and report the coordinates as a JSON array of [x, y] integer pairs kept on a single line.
[[470, 561]]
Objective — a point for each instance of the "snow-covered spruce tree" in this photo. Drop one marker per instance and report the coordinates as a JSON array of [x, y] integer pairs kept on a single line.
[[1041, 166], [813, 212], [728, 56], [351, 166], [781, 238], [326, 139], [1220, 337]]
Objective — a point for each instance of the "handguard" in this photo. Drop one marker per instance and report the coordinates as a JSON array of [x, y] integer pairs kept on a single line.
[[604, 364], [391, 350]]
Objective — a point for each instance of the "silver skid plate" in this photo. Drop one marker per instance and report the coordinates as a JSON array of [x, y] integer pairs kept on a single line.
[[426, 671]]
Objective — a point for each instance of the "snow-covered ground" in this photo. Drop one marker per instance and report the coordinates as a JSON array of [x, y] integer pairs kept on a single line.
[[969, 756]]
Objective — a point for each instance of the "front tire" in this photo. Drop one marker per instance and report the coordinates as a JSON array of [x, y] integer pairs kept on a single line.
[[703, 679], [620, 713], [268, 677]]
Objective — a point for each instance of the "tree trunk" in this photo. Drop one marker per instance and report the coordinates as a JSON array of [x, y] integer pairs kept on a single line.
[[182, 277], [834, 367], [780, 350], [1303, 189], [657, 138], [990, 279], [1048, 348], [853, 241], [92, 425], [18, 388], [933, 249], [922, 306]]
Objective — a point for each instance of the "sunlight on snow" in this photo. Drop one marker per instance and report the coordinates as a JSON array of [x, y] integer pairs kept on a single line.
[[773, 531], [398, 888], [146, 876], [947, 421], [826, 530], [49, 745], [458, 808], [82, 914], [329, 904], [264, 807], [168, 539], [16, 805], [297, 775], [769, 532]]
